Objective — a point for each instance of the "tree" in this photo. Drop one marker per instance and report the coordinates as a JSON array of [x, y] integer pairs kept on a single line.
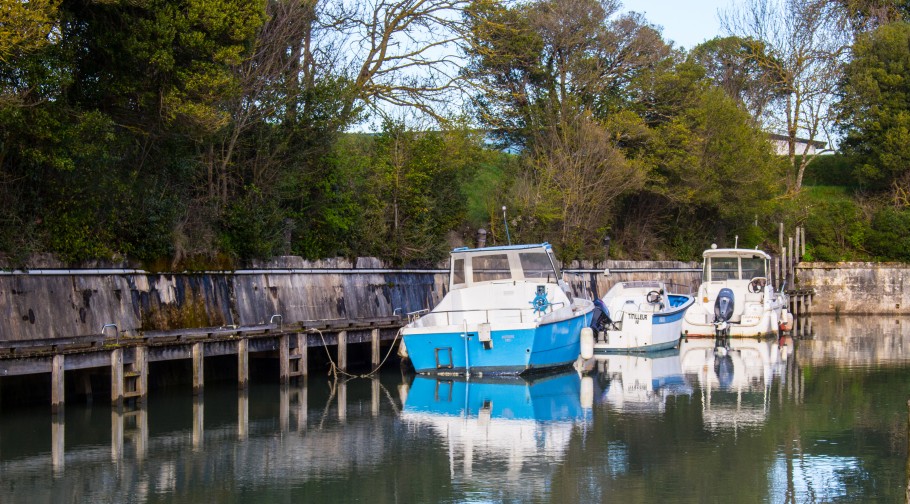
[[25, 26], [802, 44], [543, 62], [874, 111], [736, 65]]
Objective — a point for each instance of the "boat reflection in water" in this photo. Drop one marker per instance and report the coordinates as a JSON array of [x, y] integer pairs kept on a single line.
[[641, 382], [735, 378], [499, 430]]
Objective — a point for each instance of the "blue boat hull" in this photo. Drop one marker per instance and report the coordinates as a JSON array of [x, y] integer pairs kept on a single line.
[[511, 350], [551, 398]]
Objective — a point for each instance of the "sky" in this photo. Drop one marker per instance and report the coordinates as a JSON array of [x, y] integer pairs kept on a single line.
[[686, 22]]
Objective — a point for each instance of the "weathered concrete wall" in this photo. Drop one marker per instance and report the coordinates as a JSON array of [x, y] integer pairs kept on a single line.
[[63, 303], [857, 288]]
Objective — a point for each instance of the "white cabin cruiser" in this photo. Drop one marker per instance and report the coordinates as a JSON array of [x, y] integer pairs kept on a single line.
[[743, 275]]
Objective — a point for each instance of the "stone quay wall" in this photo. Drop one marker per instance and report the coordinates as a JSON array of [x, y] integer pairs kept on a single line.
[[856, 288]]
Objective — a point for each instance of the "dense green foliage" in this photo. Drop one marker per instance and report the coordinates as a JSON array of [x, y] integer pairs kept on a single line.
[[200, 133]]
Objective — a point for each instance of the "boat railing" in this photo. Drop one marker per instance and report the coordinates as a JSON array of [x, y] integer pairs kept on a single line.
[[414, 315], [484, 315]]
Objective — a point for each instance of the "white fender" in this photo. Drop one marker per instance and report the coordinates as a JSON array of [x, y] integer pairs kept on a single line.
[[587, 343]]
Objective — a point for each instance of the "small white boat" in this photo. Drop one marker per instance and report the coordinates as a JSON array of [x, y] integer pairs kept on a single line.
[[639, 317], [508, 311], [758, 309]]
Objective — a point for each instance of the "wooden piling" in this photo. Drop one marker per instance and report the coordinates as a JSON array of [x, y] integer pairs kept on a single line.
[[374, 347], [198, 367], [802, 242], [57, 388], [243, 363], [790, 254], [284, 359], [117, 377], [783, 265], [141, 366], [342, 350], [780, 239], [302, 352]]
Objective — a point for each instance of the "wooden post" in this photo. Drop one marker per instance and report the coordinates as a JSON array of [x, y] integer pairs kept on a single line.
[[198, 368], [57, 389], [302, 346], [783, 265], [117, 378], [284, 359], [802, 242], [790, 255], [243, 363], [780, 239], [198, 423], [374, 346], [343, 350], [141, 365]]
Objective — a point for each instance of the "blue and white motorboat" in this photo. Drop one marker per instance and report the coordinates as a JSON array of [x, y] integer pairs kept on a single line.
[[639, 316], [507, 311]]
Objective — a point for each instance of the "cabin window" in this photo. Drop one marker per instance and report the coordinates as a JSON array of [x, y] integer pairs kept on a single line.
[[458, 272], [491, 267], [537, 265], [753, 267], [723, 268]]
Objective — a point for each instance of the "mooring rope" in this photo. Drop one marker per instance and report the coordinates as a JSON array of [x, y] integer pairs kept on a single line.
[[334, 371]]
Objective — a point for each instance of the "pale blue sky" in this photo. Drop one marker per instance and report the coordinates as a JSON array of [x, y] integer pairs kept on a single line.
[[686, 23]]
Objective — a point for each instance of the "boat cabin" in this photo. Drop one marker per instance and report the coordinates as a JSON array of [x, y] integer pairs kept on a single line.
[[533, 263], [735, 264]]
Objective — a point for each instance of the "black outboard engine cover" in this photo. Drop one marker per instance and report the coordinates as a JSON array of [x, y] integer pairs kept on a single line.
[[723, 306], [600, 318]]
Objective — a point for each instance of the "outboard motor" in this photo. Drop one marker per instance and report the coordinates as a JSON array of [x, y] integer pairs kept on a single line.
[[600, 317], [723, 311]]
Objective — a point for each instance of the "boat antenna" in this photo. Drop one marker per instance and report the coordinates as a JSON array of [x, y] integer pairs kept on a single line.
[[736, 242], [506, 222]]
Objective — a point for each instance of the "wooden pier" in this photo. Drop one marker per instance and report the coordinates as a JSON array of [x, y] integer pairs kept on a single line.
[[128, 358]]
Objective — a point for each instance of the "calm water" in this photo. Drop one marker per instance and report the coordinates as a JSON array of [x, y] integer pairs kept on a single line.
[[820, 419]]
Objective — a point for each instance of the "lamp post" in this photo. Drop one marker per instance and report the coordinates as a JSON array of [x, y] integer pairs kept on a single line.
[[606, 243]]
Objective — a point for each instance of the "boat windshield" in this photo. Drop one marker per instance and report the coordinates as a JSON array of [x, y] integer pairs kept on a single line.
[[537, 264], [753, 267], [718, 269], [487, 268]]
